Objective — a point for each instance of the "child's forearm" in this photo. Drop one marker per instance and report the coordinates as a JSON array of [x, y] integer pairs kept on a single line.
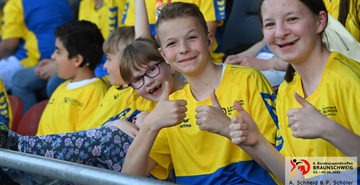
[[142, 28], [137, 161], [253, 50], [273, 160], [277, 64], [343, 139]]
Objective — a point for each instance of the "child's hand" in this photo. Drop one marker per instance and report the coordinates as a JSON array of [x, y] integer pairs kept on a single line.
[[212, 118], [46, 69], [306, 122], [125, 126], [167, 113], [140, 118], [244, 130]]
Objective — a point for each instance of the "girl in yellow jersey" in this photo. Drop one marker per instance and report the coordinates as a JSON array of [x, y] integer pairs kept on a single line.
[[324, 123]]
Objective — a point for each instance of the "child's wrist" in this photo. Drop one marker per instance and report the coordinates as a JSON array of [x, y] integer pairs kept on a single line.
[[328, 131], [260, 144], [150, 126]]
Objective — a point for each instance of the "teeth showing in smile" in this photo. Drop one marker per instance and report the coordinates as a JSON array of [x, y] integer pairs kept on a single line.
[[154, 89], [292, 43]]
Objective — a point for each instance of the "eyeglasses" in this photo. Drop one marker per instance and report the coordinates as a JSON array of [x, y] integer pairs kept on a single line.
[[151, 72]]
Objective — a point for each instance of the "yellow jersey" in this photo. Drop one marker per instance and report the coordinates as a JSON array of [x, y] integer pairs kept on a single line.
[[201, 157], [5, 107], [70, 110]]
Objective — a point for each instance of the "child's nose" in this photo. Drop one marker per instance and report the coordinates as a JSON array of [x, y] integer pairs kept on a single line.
[[184, 47]]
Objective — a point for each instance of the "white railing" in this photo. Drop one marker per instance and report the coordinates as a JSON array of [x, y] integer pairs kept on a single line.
[[68, 171]]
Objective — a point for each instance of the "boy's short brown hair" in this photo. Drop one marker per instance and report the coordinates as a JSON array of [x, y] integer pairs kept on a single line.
[[138, 54], [120, 34], [180, 10]]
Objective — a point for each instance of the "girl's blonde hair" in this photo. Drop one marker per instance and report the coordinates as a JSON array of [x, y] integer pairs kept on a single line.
[[120, 35]]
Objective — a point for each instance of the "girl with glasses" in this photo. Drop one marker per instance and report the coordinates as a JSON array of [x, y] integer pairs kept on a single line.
[[107, 146]]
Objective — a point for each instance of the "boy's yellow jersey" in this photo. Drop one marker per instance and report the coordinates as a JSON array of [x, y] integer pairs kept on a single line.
[[70, 110], [201, 157]]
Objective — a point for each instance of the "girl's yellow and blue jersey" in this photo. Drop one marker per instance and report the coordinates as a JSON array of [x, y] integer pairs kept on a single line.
[[115, 105], [213, 10], [34, 21], [5, 108], [200, 157], [336, 97], [333, 7]]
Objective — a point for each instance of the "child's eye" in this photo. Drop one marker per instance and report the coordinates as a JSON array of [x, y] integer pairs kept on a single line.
[[192, 37], [269, 25], [292, 19], [170, 44], [138, 79], [152, 69]]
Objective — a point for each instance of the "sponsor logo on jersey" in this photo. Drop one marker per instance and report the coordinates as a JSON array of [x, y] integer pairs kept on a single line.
[[184, 123], [329, 111], [72, 101], [228, 110]]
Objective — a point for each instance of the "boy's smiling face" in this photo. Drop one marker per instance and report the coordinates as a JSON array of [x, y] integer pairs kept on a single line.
[[66, 67], [184, 45]]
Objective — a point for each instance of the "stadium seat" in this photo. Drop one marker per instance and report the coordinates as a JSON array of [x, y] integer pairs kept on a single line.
[[30, 121], [243, 28], [17, 109]]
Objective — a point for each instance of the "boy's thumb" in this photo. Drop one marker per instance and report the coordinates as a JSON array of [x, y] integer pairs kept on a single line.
[[214, 100], [166, 93], [246, 116]]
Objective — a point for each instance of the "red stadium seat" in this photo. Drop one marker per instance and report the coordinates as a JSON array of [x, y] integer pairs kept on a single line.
[[17, 109], [30, 121]]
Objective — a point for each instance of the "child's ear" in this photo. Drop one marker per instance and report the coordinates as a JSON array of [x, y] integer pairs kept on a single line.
[[210, 41], [322, 21], [78, 60], [163, 55]]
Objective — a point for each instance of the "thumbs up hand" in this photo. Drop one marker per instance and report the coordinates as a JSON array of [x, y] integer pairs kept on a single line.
[[212, 118], [306, 122], [244, 130], [167, 113]]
